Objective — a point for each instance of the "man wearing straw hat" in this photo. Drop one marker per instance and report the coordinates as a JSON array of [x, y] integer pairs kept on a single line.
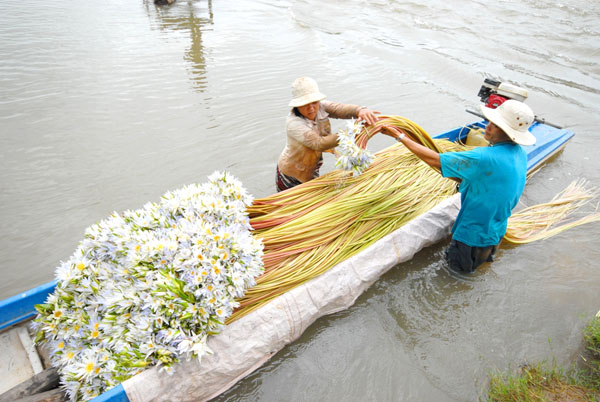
[[491, 182], [309, 132]]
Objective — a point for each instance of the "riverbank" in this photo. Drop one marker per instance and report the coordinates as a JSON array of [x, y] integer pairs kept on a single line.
[[544, 382]]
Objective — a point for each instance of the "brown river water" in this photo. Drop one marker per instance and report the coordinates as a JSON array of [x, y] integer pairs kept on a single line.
[[107, 105]]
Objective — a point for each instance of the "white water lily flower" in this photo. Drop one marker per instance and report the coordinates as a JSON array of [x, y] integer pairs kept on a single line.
[[147, 287], [167, 369], [352, 157], [86, 368]]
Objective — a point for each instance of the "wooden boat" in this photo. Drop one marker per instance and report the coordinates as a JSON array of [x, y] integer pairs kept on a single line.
[[25, 369]]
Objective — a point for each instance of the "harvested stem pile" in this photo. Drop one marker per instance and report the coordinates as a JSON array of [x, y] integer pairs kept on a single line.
[[409, 127], [539, 221], [312, 227]]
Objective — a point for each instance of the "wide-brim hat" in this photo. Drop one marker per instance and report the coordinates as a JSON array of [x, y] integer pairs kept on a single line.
[[304, 91], [514, 118]]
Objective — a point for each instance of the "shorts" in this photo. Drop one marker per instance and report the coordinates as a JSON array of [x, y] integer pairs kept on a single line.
[[466, 259]]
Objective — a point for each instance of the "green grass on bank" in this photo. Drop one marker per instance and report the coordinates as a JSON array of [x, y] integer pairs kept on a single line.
[[591, 335], [544, 382]]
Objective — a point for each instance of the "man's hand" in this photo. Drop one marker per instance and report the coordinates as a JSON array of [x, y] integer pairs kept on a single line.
[[428, 156], [391, 131]]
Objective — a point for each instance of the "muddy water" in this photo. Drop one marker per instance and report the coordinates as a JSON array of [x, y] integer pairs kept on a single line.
[[107, 105]]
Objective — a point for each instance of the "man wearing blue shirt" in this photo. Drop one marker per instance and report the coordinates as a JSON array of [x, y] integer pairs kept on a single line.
[[491, 182]]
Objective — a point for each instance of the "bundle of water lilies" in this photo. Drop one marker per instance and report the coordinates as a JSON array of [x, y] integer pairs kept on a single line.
[[353, 156], [148, 286]]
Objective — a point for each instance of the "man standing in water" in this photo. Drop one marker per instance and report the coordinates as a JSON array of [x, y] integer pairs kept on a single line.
[[491, 182]]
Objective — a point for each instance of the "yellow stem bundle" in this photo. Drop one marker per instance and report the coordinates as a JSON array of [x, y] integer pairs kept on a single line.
[[308, 229], [312, 227], [539, 221]]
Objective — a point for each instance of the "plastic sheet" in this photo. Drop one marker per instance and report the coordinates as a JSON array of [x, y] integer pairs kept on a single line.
[[249, 342]]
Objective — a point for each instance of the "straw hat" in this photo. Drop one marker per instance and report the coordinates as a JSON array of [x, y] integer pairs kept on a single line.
[[514, 118], [305, 91]]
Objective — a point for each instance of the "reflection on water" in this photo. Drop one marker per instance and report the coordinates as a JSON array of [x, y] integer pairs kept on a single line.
[[195, 54], [191, 17]]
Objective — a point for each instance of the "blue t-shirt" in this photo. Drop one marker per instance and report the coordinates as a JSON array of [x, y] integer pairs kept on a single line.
[[493, 179]]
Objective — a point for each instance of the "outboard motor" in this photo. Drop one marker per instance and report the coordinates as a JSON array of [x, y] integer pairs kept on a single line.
[[494, 93]]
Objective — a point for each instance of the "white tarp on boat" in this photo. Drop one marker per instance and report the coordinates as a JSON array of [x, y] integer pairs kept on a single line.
[[249, 342]]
